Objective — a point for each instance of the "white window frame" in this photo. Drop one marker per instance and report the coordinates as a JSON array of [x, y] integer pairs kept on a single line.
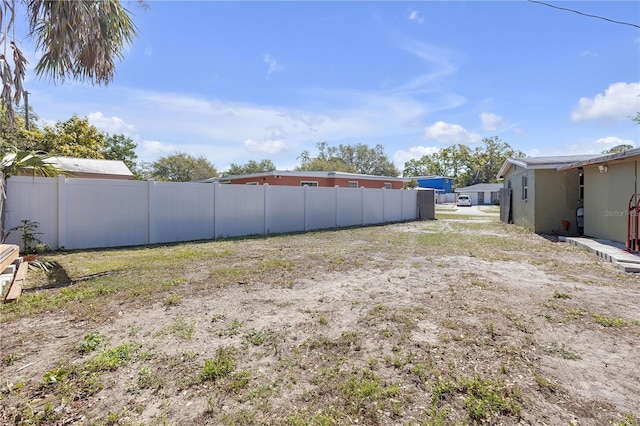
[[387, 185], [310, 183], [581, 186], [252, 183], [353, 184], [525, 188]]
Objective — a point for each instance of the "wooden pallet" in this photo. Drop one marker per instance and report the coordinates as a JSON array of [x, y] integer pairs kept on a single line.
[[18, 283]]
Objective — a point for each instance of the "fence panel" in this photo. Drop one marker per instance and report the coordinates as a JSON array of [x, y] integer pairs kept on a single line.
[[90, 213], [181, 211], [350, 206], [239, 210], [392, 206], [34, 199], [320, 208], [285, 209], [373, 205], [105, 213]]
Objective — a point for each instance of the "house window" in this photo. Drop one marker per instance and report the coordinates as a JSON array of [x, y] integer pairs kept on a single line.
[[353, 184], [581, 187], [509, 184], [251, 183], [387, 185], [308, 183], [524, 188]]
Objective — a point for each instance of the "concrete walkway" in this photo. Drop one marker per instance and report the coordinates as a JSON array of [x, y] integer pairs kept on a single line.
[[612, 251]]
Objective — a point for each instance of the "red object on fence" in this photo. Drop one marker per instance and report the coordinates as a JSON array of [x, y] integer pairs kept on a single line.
[[633, 242]]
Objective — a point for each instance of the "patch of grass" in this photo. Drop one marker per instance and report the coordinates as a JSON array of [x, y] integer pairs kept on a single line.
[[606, 321], [90, 342], [180, 329], [483, 397], [559, 295], [149, 378], [365, 393], [9, 359], [172, 299], [544, 383], [256, 337], [111, 359], [233, 329], [561, 351], [219, 366], [628, 419], [323, 320]]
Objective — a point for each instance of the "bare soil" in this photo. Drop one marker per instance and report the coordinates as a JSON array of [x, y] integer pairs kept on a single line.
[[351, 326]]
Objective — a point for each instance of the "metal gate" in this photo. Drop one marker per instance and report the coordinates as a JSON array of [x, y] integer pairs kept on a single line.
[[633, 243]]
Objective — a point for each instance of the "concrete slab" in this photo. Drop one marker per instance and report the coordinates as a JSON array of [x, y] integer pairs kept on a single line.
[[611, 251]]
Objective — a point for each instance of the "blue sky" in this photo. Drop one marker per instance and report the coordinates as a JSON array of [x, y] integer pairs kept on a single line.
[[236, 81]]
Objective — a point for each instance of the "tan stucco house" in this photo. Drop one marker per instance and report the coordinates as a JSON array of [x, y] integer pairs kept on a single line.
[[541, 196], [609, 183], [545, 191]]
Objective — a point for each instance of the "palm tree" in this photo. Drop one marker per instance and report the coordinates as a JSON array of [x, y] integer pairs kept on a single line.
[[80, 39]]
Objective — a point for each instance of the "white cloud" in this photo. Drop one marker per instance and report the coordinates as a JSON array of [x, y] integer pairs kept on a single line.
[[415, 16], [272, 143], [450, 133], [619, 101], [612, 141], [414, 153], [272, 64], [265, 146], [491, 121], [153, 149], [110, 124]]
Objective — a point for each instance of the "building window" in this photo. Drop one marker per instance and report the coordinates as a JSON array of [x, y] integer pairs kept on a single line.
[[509, 184], [525, 188], [308, 183], [581, 187], [353, 184], [251, 183], [387, 185]]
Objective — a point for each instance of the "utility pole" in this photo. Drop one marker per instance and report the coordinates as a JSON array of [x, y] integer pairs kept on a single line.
[[26, 110]]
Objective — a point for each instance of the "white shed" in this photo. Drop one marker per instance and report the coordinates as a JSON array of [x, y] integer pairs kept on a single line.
[[482, 193]]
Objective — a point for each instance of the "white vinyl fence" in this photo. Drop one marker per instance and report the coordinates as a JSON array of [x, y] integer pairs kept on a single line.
[[91, 213]]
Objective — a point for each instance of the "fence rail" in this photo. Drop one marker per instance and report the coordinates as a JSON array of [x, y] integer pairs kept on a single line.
[[92, 213]]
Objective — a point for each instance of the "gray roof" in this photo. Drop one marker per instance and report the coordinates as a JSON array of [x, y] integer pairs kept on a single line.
[[601, 159], [551, 162], [480, 187], [302, 174], [90, 165]]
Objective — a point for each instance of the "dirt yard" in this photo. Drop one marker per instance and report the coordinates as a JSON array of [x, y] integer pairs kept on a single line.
[[454, 321]]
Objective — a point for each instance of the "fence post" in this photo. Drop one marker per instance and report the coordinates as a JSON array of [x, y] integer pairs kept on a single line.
[[362, 204], [337, 208], [151, 217], [62, 212], [267, 222], [216, 188], [304, 209]]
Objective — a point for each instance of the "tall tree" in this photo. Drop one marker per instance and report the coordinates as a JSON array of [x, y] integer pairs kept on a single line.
[[182, 167], [465, 166], [486, 161], [120, 147], [251, 166], [618, 149], [358, 158], [79, 39], [452, 161], [73, 138]]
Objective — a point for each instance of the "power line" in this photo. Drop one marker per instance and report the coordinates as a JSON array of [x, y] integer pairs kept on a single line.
[[585, 14]]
